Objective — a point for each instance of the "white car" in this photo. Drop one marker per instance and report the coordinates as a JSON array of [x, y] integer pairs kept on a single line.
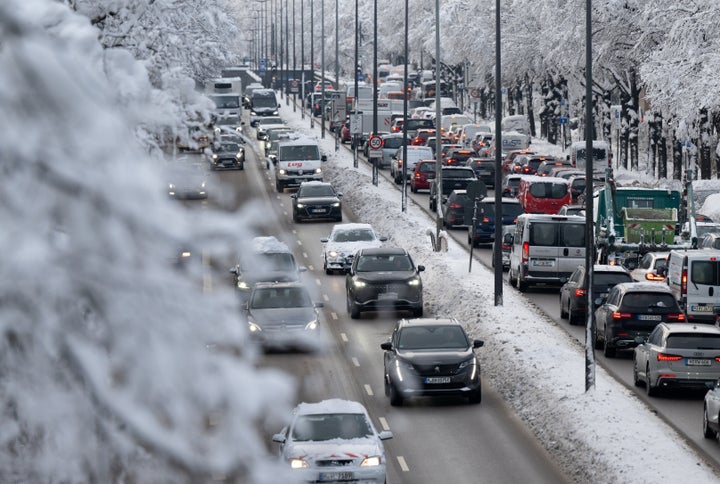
[[346, 239], [648, 269], [711, 412], [332, 441]]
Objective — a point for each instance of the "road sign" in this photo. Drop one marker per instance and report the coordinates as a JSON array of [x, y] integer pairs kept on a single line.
[[375, 142], [294, 86], [356, 123], [475, 93], [476, 189], [563, 120]]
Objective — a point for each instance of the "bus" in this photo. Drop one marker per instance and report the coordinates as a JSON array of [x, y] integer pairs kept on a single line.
[[427, 90]]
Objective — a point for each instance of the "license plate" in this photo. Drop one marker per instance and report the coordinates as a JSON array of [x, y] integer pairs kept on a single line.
[[701, 309], [318, 210], [388, 296], [698, 362], [437, 379], [336, 476], [482, 172], [649, 317], [543, 263]]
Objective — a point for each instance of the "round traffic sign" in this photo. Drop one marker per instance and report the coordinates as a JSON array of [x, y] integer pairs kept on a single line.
[[475, 93], [376, 142]]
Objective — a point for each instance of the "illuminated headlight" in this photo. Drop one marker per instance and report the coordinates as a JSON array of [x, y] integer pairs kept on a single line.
[[239, 155], [332, 254], [467, 363], [312, 325], [298, 464], [185, 254], [359, 283], [171, 186], [253, 113], [282, 172], [254, 328], [214, 157], [275, 113], [336, 204], [202, 185], [318, 170], [373, 461], [243, 285], [300, 205], [414, 282]]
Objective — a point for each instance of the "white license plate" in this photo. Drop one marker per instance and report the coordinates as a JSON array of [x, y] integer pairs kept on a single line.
[[437, 379], [543, 263], [698, 362], [701, 309], [388, 296], [483, 172], [336, 476], [649, 317], [318, 210]]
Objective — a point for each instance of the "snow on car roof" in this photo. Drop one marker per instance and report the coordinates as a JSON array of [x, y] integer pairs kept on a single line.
[[351, 226], [333, 405], [268, 244]]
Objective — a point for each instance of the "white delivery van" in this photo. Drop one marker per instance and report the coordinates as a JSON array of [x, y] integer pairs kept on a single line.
[[517, 123], [298, 160], [694, 279], [546, 249], [602, 156]]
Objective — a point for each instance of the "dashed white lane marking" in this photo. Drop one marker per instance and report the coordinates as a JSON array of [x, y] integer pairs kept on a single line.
[[293, 231], [305, 255], [403, 464], [327, 299], [384, 424], [344, 337], [310, 268], [318, 282], [355, 361], [369, 390], [299, 242], [334, 316], [285, 212]]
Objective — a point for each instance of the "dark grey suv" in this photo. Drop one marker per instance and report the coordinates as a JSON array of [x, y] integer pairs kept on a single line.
[[383, 278]]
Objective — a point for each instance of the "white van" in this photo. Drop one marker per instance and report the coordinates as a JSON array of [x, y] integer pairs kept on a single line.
[[298, 160], [694, 279], [546, 249], [517, 123], [602, 156]]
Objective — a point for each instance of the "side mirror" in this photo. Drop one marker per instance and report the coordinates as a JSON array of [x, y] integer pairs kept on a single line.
[[478, 343], [279, 106], [598, 301], [323, 158], [302, 269], [235, 270], [245, 306], [324, 241], [385, 435], [319, 305], [382, 239], [387, 346], [339, 195], [279, 438], [662, 271], [420, 268], [640, 340]]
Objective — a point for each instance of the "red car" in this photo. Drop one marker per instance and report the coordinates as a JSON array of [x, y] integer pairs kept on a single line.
[[345, 136], [422, 175]]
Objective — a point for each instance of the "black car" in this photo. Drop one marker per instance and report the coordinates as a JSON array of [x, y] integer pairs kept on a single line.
[[426, 357], [281, 315], [227, 155], [453, 178], [484, 169], [484, 230], [383, 278], [545, 168], [573, 294], [631, 311], [316, 200], [454, 209]]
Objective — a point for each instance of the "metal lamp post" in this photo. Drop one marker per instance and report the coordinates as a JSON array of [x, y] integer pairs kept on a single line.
[[589, 237], [322, 69]]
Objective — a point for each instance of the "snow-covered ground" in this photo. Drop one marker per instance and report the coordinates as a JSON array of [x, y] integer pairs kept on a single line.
[[605, 435]]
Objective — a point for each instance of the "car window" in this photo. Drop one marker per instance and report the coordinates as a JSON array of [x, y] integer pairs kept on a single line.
[[660, 263], [392, 143], [578, 275], [378, 263], [655, 337], [642, 301], [694, 341], [704, 272], [646, 261], [543, 234], [356, 235], [432, 337], [548, 190], [572, 235], [613, 297], [609, 279], [280, 297], [316, 191], [330, 426]]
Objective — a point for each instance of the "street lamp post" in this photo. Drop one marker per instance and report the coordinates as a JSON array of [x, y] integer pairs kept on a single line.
[[302, 59], [497, 251], [337, 81], [294, 69], [322, 69], [438, 134], [405, 115], [287, 54], [589, 239], [312, 60], [375, 92], [355, 99]]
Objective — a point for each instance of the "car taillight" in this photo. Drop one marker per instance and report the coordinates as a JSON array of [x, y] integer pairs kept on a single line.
[[455, 205], [676, 317], [506, 246], [526, 251], [667, 357], [683, 282], [580, 292], [486, 220], [417, 175], [619, 315], [653, 277]]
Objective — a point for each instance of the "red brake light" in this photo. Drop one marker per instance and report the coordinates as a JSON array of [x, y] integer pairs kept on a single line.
[[486, 220], [455, 205], [580, 292], [683, 282], [619, 315], [654, 277], [526, 251], [680, 317], [666, 357]]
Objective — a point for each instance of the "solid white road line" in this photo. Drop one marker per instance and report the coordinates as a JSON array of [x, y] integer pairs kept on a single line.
[[318, 282], [384, 424], [403, 464], [369, 390], [305, 255]]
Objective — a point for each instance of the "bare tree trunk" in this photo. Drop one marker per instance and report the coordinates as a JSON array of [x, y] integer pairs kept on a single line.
[[677, 157], [662, 158], [634, 121], [530, 109], [705, 133]]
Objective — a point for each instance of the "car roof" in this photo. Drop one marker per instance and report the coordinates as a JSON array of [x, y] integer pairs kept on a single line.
[[643, 287], [351, 226], [334, 405], [609, 268], [692, 328], [382, 251], [268, 244], [429, 321], [284, 284], [491, 200]]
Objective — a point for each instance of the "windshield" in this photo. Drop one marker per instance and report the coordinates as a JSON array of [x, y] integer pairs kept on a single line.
[[280, 297], [307, 191], [432, 337], [299, 152], [378, 263], [271, 261], [264, 102], [322, 427], [356, 235], [226, 102]]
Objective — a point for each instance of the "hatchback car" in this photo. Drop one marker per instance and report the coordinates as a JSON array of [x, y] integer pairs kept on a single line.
[[187, 180], [316, 200], [546, 167], [454, 209], [281, 315], [346, 239], [415, 154], [453, 178], [383, 278], [227, 155], [652, 267], [484, 169], [422, 175], [422, 136], [391, 143], [678, 356], [631, 311], [573, 294], [431, 357], [458, 156], [333, 441], [484, 231], [510, 185], [528, 164]]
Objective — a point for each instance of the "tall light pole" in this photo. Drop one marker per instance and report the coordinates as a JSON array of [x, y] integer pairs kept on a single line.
[[294, 70], [438, 134], [337, 81], [322, 69], [302, 59], [287, 54], [375, 92], [589, 239], [355, 73], [405, 115], [497, 251], [312, 60]]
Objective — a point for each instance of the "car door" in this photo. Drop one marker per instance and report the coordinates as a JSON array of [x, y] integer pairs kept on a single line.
[[571, 248], [703, 286], [567, 289], [642, 351], [543, 249], [605, 310]]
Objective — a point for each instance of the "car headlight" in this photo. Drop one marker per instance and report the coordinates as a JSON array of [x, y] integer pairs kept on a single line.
[[243, 285], [414, 281], [359, 283], [332, 253], [214, 157], [336, 204], [282, 172], [318, 170], [202, 185], [466, 363], [254, 328], [300, 205], [312, 325], [253, 113], [275, 113], [171, 186], [372, 461], [298, 464], [239, 155]]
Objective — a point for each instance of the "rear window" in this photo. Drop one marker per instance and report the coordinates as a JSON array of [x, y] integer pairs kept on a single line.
[[572, 235], [512, 209], [458, 174], [427, 167], [609, 279], [694, 341], [550, 234], [548, 190], [704, 272], [420, 123], [642, 301], [392, 143]]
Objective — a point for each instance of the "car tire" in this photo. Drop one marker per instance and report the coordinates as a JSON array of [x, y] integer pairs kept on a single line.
[[475, 397], [396, 398], [511, 279], [636, 377], [521, 285], [650, 390], [418, 311], [339, 219], [608, 350], [353, 309], [564, 314], [296, 219], [242, 166], [329, 272], [708, 432], [279, 187], [387, 386], [412, 188]]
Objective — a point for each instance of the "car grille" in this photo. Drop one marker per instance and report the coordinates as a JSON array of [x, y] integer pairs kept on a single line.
[[384, 287], [333, 462], [318, 209], [436, 370]]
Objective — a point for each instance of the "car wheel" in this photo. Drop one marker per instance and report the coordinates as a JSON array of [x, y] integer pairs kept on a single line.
[[521, 285], [242, 166], [339, 219], [609, 350], [387, 386], [353, 309], [280, 188], [511, 279], [475, 397], [325, 268], [708, 432], [650, 390], [563, 313], [413, 189], [597, 342], [418, 311], [396, 398], [636, 377], [296, 219]]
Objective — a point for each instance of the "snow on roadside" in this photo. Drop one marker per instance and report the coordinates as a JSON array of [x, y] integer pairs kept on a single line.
[[606, 435]]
